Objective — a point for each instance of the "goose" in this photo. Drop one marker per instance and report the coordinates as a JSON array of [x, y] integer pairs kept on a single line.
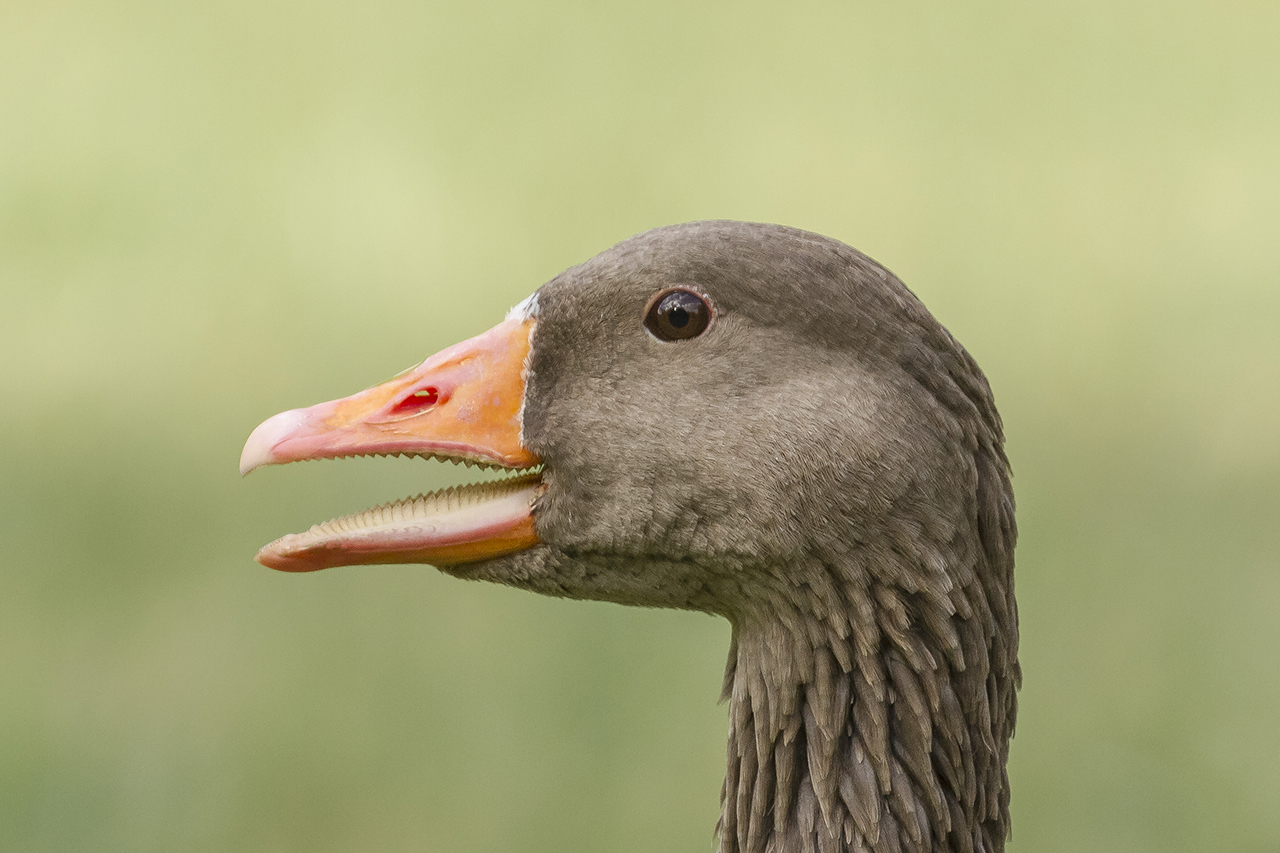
[[759, 423]]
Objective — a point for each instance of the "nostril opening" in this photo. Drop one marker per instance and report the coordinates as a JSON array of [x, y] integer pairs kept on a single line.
[[423, 398]]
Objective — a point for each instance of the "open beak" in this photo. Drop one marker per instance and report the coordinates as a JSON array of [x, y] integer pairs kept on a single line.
[[461, 404]]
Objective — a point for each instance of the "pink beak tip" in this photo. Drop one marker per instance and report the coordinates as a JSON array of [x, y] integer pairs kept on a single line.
[[259, 450]]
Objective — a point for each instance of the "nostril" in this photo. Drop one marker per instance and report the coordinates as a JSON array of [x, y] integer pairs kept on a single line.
[[423, 398]]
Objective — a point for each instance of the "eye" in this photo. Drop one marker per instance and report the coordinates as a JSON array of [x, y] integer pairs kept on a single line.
[[676, 315]]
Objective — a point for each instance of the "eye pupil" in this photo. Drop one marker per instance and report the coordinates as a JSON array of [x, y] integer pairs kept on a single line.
[[677, 315]]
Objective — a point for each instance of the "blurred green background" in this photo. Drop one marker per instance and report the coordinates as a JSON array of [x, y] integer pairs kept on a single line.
[[213, 212]]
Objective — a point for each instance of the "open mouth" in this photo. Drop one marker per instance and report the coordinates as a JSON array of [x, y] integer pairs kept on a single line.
[[460, 524], [462, 405]]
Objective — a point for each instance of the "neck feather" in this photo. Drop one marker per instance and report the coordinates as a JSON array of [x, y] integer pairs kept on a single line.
[[870, 718]]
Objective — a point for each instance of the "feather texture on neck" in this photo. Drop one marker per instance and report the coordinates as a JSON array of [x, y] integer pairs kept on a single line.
[[869, 717]]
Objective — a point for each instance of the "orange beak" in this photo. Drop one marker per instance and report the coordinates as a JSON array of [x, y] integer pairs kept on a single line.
[[464, 403]]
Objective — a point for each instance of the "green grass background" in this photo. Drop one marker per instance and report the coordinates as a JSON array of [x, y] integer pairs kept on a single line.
[[213, 212]]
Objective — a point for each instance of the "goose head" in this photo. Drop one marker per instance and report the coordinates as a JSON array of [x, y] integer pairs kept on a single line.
[[756, 422]]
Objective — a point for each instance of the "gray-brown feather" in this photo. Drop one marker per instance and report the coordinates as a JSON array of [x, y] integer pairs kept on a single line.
[[823, 467]]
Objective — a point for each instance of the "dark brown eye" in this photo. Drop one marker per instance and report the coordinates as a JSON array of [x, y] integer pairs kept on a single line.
[[678, 315]]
